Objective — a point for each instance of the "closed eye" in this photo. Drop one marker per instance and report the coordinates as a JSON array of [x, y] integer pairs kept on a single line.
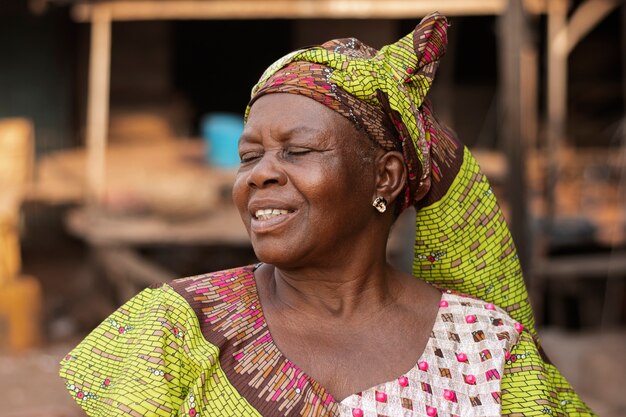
[[297, 151], [249, 157]]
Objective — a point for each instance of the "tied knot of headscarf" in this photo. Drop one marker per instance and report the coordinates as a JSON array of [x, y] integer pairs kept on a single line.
[[382, 92]]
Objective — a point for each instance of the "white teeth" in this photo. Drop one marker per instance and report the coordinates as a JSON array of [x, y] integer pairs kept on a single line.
[[267, 214]]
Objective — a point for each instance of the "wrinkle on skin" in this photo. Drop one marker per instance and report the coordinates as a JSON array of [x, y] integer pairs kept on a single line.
[[329, 298]]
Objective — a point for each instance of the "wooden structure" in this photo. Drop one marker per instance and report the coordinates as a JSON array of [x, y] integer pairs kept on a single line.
[[519, 92], [565, 31], [20, 296], [172, 198], [101, 15]]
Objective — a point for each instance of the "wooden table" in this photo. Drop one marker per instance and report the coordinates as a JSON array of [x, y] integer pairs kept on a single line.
[[156, 194]]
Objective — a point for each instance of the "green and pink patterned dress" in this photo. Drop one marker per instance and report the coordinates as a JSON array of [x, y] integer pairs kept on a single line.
[[200, 346]]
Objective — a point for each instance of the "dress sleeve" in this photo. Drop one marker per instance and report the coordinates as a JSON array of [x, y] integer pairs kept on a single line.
[[137, 362], [531, 386]]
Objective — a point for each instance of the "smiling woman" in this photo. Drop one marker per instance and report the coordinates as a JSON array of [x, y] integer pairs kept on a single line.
[[339, 140], [298, 164]]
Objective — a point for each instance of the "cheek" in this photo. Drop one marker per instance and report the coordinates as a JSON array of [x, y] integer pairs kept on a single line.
[[240, 194], [356, 179], [337, 187]]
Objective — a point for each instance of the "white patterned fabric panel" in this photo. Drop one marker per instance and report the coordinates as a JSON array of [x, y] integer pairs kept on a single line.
[[459, 371]]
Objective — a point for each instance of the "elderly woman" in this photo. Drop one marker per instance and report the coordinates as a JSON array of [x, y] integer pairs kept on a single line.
[[339, 140]]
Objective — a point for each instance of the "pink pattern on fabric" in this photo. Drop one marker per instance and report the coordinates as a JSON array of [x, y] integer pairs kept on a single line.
[[457, 375]]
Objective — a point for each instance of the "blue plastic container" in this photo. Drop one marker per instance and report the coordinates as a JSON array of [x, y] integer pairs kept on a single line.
[[221, 132]]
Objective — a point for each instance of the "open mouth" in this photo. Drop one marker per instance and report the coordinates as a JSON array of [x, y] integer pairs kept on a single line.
[[267, 214]]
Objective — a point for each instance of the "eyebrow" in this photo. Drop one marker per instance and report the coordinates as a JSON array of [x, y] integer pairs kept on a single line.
[[245, 137], [301, 129]]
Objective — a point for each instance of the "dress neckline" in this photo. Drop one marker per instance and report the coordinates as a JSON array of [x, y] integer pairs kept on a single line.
[[316, 385]]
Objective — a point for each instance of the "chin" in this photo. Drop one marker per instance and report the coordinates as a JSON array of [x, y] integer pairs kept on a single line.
[[274, 254]]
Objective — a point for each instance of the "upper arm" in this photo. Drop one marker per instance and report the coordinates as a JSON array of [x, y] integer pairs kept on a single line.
[[137, 361]]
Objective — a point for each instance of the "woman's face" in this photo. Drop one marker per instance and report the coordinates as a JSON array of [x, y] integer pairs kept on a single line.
[[302, 190]]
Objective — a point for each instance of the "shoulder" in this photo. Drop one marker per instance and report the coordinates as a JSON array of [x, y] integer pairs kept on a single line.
[[181, 295], [216, 286], [223, 302], [180, 306], [145, 354], [482, 319]]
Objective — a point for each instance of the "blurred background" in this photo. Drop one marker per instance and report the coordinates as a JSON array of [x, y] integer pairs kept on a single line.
[[115, 165]]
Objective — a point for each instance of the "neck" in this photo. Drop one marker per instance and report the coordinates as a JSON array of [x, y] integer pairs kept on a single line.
[[333, 292]]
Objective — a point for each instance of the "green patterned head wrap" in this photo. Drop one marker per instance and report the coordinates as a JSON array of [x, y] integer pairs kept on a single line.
[[382, 92], [462, 241]]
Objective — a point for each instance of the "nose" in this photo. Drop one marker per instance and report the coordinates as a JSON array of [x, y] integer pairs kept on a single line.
[[267, 171]]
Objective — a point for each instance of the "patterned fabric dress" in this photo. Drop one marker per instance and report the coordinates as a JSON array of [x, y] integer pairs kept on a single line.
[[200, 346]]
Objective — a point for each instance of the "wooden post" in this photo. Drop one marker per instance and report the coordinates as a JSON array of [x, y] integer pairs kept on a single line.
[[511, 29], [616, 284], [98, 103], [529, 85], [16, 166], [20, 296], [529, 95], [557, 96]]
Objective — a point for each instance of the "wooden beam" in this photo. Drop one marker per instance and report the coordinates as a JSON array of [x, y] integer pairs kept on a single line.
[[556, 97], [223, 227], [128, 271], [603, 265], [586, 17], [512, 33], [615, 289], [98, 103], [291, 9]]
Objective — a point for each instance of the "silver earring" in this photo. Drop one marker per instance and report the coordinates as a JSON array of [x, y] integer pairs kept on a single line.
[[380, 204]]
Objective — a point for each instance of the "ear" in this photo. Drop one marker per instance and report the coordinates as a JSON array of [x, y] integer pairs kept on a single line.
[[390, 176]]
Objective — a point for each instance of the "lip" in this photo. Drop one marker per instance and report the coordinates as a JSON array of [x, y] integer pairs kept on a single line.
[[259, 226]]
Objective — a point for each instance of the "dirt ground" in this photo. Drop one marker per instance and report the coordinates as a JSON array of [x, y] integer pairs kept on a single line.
[[29, 386]]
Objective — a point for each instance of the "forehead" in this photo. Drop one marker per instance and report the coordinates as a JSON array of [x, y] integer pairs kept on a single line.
[[287, 112]]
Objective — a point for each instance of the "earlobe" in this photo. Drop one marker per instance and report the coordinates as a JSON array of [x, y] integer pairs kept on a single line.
[[391, 175]]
